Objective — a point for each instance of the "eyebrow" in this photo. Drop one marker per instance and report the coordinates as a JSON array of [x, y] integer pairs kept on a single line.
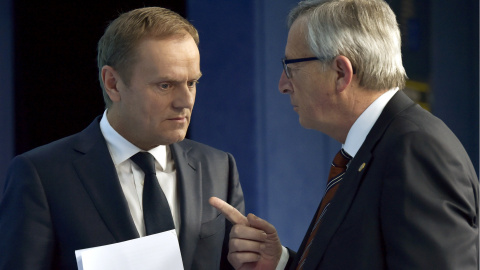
[[171, 79]]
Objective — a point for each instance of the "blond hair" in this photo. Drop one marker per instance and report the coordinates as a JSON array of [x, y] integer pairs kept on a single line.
[[116, 47]]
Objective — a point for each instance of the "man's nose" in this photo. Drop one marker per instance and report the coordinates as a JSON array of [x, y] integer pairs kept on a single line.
[[184, 98], [284, 85]]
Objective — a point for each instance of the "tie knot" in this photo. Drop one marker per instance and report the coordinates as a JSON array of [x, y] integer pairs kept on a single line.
[[341, 159], [145, 161]]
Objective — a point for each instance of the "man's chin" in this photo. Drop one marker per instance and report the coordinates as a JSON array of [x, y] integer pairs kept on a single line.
[[174, 138], [305, 124]]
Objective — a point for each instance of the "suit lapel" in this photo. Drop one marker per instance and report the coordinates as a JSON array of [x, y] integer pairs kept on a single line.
[[345, 195], [337, 210], [97, 173], [190, 194]]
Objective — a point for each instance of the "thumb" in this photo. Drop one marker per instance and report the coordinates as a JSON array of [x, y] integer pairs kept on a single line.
[[261, 224]]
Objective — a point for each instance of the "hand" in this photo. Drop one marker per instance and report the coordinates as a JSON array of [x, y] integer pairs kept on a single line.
[[254, 243]]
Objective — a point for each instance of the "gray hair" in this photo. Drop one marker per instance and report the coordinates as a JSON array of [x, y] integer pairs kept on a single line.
[[364, 31], [116, 47]]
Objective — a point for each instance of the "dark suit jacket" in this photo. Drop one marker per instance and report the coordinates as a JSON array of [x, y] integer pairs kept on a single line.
[[66, 196], [409, 200]]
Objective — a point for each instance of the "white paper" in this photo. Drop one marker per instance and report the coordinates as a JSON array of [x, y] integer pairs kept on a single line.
[[153, 252]]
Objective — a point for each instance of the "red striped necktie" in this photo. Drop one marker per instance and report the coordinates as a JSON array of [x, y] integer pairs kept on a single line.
[[337, 170]]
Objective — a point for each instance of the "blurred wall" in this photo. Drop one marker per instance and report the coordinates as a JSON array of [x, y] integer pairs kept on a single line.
[[455, 72], [6, 88]]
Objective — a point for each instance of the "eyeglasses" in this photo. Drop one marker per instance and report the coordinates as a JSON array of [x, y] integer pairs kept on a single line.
[[286, 61]]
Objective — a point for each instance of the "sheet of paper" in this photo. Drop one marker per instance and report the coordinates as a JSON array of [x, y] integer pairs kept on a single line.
[[157, 251]]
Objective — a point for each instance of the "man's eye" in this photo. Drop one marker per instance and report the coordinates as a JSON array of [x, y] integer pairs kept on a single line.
[[164, 86], [192, 83]]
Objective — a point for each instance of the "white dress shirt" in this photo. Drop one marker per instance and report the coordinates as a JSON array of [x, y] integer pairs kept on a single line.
[[131, 176], [355, 138], [364, 123]]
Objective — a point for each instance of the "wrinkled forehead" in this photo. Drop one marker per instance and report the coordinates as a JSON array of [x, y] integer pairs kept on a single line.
[[138, 52], [297, 45], [164, 56]]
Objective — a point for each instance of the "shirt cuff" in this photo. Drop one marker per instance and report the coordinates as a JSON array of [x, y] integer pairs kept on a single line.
[[283, 259]]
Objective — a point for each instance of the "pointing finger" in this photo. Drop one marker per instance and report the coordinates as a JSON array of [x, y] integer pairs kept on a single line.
[[230, 212]]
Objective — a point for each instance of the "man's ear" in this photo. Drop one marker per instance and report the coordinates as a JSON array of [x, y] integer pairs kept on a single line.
[[111, 79], [344, 69]]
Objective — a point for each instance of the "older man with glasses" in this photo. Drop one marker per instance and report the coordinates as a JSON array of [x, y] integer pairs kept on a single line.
[[402, 192]]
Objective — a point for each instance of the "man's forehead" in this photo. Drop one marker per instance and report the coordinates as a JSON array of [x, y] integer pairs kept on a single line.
[[296, 42]]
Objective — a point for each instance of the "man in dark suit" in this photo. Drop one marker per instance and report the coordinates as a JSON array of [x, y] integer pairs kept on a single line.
[[84, 190], [402, 193]]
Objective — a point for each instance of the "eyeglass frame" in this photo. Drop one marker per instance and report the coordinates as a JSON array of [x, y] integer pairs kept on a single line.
[[286, 61]]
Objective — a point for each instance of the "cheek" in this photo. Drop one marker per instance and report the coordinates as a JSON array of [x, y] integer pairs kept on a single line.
[[318, 105], [157, 105], [312, 99]]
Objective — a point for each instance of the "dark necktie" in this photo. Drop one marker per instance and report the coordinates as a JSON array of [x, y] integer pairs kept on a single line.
[[156, 212], [337, 170]]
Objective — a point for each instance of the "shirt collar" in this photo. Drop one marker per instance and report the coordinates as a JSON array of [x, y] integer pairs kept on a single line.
[[121, 149], [364, 123]]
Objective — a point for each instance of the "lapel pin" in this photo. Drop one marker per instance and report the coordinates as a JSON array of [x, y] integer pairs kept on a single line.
[[361, 167]]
